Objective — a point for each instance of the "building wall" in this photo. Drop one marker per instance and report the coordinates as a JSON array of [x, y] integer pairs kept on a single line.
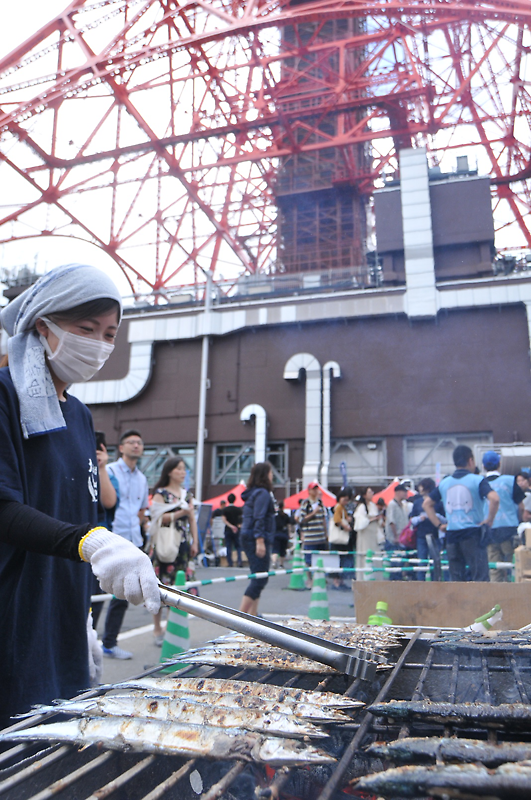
[[462, 225], [465, 371]]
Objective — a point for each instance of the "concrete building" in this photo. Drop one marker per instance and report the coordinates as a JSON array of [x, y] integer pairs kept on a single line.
[[386, 378], [318, 369]]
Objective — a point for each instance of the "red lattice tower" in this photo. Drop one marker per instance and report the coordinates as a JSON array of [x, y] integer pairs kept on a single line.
[[155, 129]]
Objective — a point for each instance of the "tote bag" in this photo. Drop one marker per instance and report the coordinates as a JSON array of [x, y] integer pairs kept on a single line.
[[336, 534]]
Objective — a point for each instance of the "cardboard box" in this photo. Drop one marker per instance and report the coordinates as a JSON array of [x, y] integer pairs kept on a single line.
[[522, 564], [445, 604]]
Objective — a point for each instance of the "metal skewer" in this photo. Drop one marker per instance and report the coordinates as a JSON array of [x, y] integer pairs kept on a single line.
[[348, 660]]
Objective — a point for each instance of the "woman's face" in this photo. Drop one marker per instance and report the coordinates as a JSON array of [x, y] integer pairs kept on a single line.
[[344, 501], [369, 494], [178, 473], [271, 475], [522, 482], [102, 328]]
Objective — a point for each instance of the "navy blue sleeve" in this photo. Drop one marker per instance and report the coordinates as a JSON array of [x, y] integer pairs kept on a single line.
[[518, 494], [28, 529], [484, 488], [436, 496], [260, 510]]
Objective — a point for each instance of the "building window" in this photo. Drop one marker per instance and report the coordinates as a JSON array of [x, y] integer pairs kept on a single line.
[[232, 463], [154, 457], [363, 460], [431, 456]]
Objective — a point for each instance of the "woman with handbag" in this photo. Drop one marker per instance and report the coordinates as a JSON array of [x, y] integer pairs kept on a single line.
[[339, 531], [173, 524], [367, 524]]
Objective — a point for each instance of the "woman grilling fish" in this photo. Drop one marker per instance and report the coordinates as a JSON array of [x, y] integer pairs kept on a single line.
[[61, 331]]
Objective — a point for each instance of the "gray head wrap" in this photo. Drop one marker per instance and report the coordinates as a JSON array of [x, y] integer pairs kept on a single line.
[[59, 290]]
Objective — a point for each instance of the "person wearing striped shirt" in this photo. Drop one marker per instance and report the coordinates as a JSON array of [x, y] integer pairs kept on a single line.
[[313, 524]]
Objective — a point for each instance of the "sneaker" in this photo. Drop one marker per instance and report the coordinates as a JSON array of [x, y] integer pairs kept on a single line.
[[159, 640], [117, 652]]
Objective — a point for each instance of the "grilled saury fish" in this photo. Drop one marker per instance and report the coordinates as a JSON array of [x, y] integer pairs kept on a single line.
[[514, 714], [278, 693], [287, 706], [174, 738], [429, 750], [509, 781], [167, 708]]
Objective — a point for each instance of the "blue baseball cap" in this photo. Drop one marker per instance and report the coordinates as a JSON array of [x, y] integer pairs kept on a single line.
[[491, 459]]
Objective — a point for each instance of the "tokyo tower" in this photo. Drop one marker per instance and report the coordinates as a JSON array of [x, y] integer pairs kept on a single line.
[[236, 137]]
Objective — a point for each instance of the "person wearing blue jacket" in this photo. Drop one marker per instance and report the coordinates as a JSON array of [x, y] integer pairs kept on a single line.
[[257, 530], [503, 530], [462, 495]]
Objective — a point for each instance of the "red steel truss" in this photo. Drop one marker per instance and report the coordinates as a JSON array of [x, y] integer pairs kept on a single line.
[[155, 128]]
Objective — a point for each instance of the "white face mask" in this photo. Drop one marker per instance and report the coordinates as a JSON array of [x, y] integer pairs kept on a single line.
[[76, 358]]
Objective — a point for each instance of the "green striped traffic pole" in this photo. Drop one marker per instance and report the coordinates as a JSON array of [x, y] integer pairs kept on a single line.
[[319, 599], [177, 636]]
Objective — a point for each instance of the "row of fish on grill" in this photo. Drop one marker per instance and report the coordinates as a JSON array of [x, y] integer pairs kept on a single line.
[[238, 650], [448, 765], [199, 717]]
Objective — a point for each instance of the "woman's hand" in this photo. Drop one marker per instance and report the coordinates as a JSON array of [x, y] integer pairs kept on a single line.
[[194, 549], [260, 547]]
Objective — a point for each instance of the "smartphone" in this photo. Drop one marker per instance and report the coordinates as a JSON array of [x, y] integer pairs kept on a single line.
[[100, 440]]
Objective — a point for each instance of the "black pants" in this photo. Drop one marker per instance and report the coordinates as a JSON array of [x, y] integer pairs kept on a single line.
[[232, 542], [113, 621], [464, 549], [256, 564], [97, 606]]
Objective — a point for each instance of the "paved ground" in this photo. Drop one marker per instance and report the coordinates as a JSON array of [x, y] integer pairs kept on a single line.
[[277, 599]]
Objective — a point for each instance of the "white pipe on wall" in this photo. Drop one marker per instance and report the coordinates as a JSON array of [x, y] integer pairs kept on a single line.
[[330, 370], [203, 386], [260, 421], [305, 362]]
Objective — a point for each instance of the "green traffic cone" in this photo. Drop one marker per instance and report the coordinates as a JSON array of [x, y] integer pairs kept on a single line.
[[296, 581], [319, 599], [177, 636]]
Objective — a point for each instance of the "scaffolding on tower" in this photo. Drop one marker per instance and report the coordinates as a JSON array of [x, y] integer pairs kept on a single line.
[[245, 137]]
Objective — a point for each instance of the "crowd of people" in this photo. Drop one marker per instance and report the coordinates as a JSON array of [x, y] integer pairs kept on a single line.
[[473, 519]]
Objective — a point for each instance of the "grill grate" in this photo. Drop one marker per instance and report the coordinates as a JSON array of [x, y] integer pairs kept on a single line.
[[438, 670]]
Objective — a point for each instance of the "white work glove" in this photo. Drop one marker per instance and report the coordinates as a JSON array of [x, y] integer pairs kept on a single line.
[[121, 568], [95, 653]]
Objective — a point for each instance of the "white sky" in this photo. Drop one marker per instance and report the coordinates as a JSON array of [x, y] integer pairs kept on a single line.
[[19, 21]]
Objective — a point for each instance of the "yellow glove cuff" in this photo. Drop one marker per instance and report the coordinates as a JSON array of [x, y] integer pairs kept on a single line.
[[84, 539]]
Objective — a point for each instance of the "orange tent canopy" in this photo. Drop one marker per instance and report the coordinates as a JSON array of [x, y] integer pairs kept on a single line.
[[236, 490], [389, 492], [327, 497]]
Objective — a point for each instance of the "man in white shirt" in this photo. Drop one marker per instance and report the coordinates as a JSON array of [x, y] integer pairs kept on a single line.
[[396, 519], [127, 523]]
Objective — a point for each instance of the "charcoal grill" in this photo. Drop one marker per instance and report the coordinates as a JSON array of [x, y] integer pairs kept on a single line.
[[438, 666]]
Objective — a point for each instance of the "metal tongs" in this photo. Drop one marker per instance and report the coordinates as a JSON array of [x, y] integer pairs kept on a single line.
[[348, 660]]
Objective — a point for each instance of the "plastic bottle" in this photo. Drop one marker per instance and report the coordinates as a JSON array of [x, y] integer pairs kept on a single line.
[[380, 616], [485, 623]]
